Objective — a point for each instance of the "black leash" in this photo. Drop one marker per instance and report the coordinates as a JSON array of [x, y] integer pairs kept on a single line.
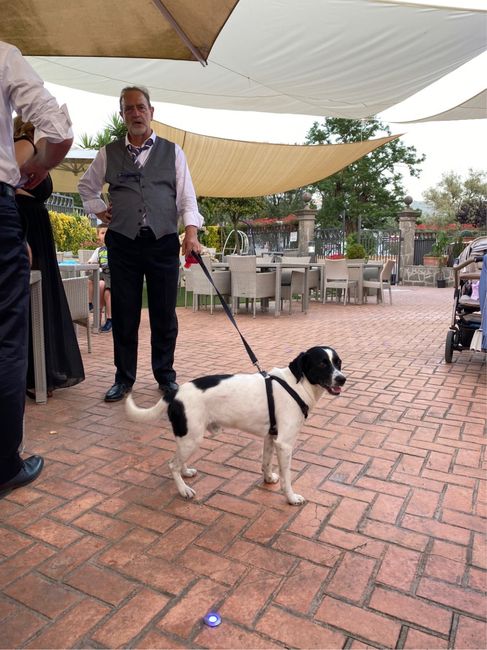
[[268, 378], [228, 312]]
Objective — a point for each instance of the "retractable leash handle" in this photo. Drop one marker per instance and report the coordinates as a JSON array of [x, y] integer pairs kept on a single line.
[[227, 310]]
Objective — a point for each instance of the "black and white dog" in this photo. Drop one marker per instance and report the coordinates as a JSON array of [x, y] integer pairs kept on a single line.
[[240, 401]]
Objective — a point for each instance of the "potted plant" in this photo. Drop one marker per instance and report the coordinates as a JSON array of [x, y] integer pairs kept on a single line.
[[438, 257], [354, 250]]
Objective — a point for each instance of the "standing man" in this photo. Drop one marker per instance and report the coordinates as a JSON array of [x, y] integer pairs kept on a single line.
[[150, 189], [22, 90]]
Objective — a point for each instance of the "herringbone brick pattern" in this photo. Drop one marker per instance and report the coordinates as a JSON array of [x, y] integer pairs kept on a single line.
[[389, 550]]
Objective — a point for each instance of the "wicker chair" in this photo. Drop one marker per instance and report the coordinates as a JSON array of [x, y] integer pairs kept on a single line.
[[384, 282], [76, 290], [84, 255], [337, 277], [202, 286], [247, 283], [292, 280]]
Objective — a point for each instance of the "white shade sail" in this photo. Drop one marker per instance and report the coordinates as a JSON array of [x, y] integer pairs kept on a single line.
[[474, 108], [345, 58], [231, 168]]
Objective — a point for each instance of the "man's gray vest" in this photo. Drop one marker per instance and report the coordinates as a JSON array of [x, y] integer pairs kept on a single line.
[[149, 190]]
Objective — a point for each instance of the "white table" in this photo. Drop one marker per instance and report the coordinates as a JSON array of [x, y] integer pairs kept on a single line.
[[70, 269], [278, 266], [38, 345]]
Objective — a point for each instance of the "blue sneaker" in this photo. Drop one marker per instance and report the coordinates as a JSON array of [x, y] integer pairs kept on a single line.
[[107, 327]]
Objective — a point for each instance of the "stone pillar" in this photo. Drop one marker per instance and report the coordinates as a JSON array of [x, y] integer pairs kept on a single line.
[[306, 225], [407, 226]]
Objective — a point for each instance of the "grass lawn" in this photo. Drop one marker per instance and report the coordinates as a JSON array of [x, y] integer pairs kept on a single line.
[[181, 294]]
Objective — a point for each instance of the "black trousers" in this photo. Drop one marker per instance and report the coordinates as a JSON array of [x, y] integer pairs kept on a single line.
[[14, 319], [129, 261]]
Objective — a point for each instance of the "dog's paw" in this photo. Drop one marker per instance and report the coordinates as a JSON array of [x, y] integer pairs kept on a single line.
[[188, 472], [187, 492], [271, 478], [296, 499]]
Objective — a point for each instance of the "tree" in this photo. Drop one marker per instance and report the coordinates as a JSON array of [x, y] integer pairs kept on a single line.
[[474, 206], [232, 211], [370, 190], [114, 130], [280, 205], [455, 200]]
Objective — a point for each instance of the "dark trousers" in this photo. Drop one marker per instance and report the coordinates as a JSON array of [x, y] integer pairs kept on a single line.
[[14, 319], [129, 261]]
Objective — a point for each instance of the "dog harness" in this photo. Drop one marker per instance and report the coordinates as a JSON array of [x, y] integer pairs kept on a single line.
[[270, 400]]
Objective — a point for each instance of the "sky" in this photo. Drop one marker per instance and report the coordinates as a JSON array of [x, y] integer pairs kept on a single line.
[[449, 146]]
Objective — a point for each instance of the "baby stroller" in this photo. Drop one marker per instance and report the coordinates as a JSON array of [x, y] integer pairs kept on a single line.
[[469, 309]]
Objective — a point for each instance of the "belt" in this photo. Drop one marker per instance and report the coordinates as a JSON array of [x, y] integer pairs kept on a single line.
[[146, 232], [6, 190]]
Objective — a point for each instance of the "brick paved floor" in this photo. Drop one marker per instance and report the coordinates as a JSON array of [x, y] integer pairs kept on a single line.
[[389, 550]]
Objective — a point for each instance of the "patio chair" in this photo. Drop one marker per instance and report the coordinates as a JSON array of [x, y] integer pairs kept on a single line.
[[247, 283], [295, 284], [337, 276], [384, 282], [76, 290], [202, 286], [84, 255]]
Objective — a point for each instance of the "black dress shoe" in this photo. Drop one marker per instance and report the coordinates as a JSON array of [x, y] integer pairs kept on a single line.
[[117, 392], [30, 470], [168, 388]]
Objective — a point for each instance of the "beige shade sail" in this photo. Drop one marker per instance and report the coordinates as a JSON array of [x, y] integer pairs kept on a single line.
[[231, 168], [342, 58], [146, 29]]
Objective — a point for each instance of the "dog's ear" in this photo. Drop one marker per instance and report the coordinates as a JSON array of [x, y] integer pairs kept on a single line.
[[296, 366]]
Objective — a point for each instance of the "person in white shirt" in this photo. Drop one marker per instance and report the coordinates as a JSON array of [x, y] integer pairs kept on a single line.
[[150, 190], [22, 90]]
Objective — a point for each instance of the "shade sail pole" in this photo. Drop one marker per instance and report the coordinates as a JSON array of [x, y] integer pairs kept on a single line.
[[182, 35]]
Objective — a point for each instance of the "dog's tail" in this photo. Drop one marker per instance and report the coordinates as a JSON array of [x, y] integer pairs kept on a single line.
[[139, 414]]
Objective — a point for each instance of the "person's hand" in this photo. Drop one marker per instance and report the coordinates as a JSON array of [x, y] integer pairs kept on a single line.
[[33, 172], [105, 216], [190, 242]]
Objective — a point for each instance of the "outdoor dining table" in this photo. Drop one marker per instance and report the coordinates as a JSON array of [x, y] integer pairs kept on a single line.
[[278, 266], [356, 268], [73, 269]]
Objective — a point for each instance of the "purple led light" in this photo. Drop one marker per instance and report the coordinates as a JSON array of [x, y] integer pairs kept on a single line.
[[212, 619]]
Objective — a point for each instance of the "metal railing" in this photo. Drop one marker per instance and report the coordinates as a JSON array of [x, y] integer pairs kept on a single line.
[[64, 203]]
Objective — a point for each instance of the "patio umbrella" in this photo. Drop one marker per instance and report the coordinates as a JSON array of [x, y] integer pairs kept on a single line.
[[229, 168]]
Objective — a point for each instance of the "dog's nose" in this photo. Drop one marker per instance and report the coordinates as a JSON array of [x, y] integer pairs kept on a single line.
[[340, 379]]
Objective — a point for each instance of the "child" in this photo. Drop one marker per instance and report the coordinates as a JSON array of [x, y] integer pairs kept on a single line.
[[100, 257]]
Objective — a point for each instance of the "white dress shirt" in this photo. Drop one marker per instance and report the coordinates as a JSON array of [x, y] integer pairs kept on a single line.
[[23, 90], [91, 185]]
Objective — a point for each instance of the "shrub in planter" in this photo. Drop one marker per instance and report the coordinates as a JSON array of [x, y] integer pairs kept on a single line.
[[70, 231], [356, 252], [438, 256]]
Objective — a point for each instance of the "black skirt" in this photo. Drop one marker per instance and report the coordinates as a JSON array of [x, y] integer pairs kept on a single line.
[[64, 366]]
